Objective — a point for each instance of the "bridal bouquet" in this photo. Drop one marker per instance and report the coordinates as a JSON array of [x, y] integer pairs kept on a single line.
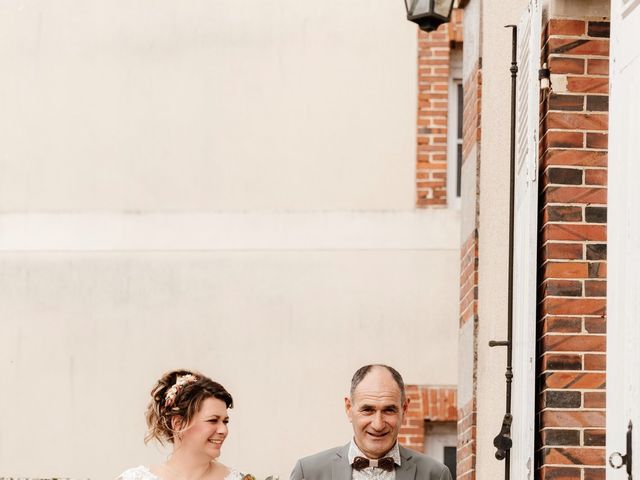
[[248, 476]]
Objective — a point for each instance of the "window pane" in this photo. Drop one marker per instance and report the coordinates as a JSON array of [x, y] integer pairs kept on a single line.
[[459, 172], [460, 108], [450, 459]]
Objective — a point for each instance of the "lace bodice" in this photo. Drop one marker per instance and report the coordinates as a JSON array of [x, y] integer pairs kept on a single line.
[[143, 473]]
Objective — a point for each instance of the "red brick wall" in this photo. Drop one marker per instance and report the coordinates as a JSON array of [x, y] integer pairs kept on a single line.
[[433, 86], [466, 453], [469, 279], [472, 89], [437, 404], [573, 269]]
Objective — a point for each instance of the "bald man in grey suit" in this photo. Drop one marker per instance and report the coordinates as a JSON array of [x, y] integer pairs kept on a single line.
[[375, 407]]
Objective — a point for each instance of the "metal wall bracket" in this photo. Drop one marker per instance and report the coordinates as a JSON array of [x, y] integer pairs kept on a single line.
[[617, 460], [502, 441]]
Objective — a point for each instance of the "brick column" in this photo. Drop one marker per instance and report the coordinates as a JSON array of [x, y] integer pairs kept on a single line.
[[433, 103], [572, 278]]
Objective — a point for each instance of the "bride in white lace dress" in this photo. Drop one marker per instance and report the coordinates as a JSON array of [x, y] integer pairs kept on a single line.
[[189, 411]]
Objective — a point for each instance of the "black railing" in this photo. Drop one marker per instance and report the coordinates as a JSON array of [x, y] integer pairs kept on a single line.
[[503, 441]]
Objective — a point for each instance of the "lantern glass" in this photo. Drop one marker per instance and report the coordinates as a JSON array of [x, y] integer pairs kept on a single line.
[[442, 8], [417, 7], [420, 7]]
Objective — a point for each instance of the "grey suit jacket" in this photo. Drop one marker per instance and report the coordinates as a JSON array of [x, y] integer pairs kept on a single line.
[[333, 464]]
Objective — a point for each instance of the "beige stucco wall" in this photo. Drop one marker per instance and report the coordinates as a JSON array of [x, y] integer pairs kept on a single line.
[[227, 186], [85, 335], [493, 226], [195, 105], [577, 8]]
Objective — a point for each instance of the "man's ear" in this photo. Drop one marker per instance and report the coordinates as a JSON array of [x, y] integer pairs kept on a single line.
[[405, 405], [347, 407]]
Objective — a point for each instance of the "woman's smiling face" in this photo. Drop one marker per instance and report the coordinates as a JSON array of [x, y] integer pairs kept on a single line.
[[207, 430]]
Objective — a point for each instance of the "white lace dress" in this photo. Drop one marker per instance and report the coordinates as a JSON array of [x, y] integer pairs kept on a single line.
[[143, 473]]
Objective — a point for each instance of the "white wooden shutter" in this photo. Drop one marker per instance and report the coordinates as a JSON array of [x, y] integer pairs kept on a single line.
[[525, 244], [623, 233]]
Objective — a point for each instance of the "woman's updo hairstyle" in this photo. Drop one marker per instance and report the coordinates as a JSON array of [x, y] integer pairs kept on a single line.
[[179, 393]]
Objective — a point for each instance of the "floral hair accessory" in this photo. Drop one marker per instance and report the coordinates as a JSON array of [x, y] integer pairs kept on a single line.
[[173, 391]]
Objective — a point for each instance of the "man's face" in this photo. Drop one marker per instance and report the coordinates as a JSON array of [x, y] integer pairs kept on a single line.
[[376, 411]]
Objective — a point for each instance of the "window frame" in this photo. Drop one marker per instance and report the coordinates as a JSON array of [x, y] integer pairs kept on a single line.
[[454, 129]]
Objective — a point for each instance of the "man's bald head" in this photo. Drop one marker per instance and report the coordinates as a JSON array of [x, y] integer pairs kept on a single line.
[[363, 371]]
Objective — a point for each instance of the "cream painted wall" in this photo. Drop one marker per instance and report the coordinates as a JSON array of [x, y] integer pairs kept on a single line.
[[577, 8], [493, 226], [200, 105], [227, 186], [88, 333]]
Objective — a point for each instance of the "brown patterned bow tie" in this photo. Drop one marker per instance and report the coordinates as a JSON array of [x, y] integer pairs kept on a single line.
[[386, 463]]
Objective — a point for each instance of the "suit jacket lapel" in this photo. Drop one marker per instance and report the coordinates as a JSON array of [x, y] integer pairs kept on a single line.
[[407, 470], [340, 468]]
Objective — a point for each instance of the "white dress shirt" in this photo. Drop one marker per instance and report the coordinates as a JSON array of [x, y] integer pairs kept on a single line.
[[373, 473]]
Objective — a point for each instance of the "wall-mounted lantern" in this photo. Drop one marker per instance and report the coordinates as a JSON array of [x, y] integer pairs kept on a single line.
[[429, 14]]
